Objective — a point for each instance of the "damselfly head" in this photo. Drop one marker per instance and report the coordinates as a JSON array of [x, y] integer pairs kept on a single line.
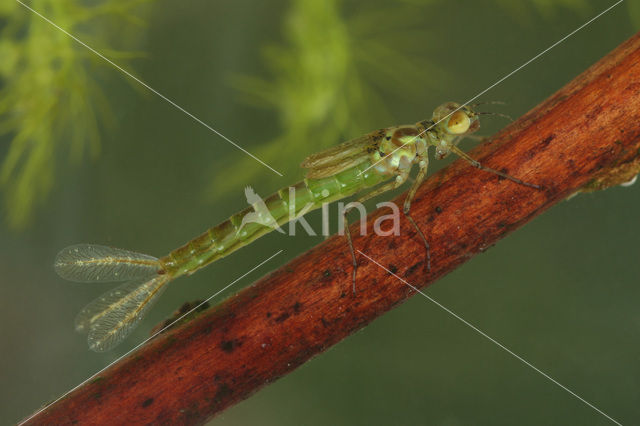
[[456, 119]]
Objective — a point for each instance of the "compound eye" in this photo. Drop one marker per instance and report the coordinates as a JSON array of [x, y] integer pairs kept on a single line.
[[459, 122]]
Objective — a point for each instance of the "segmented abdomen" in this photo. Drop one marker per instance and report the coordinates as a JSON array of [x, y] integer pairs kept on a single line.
[[231, 234]]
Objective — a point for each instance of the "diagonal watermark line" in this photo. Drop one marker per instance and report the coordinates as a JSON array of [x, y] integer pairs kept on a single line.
[[151, 89], [494, 341], [149, 338], [499, 81]]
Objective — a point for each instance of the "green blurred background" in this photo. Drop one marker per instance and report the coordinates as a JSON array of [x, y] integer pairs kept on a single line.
[[89, 156]]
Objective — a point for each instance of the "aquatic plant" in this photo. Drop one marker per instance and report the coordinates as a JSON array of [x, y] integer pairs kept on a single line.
[[51, 101], [327, 79]]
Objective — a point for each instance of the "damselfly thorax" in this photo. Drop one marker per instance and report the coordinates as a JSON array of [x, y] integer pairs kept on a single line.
[[400, 148]]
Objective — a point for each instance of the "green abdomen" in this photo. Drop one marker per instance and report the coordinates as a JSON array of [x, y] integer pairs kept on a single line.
[[309, 194]]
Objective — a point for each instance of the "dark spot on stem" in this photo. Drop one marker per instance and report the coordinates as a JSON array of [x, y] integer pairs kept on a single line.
[[326, 273], [595, 112], [539, 147], [268, 314], [296, 307], [324, 322], [392, 268], [223, 391], [412, 268], [438, 209], [229, 345], [282, 317], [147, 402], [546, 141]]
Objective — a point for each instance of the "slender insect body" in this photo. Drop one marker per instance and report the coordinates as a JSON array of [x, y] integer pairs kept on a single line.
[[310, 194], [379, 161]]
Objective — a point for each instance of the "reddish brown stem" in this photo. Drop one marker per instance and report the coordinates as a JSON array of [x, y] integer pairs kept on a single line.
[[587, 134]]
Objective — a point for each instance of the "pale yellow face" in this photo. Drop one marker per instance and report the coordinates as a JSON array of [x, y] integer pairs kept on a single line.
[[459, 122], [455, 119]]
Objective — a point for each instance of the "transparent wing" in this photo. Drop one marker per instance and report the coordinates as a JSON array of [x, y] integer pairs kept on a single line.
[[342, 156], [111, 317], [96, 263], [332, 169]]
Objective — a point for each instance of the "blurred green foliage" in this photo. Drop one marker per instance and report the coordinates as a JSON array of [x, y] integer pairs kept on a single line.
[[50, 101], [327, 75], [547, 8], [634, 13], [336, 62]]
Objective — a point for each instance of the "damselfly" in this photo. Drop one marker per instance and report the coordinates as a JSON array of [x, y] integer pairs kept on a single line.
[[380, 160]]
